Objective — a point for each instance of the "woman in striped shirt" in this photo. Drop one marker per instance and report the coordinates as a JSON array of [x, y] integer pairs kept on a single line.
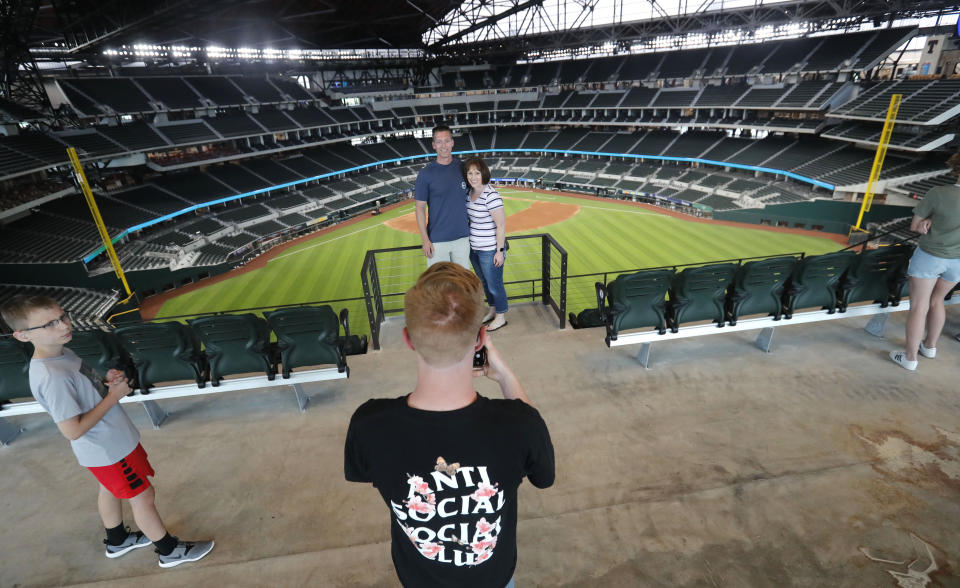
[[488, 238]]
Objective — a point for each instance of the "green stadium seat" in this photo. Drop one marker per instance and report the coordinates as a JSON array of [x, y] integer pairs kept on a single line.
[[164, 352], [235, 344], [102, 351], [14, 369], [876, 275], [635, 301], [699, 294], [308, 336], [758, 288], [815, 282]]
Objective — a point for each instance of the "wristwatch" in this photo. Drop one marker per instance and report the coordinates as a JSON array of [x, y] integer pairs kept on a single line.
[[502, 250]]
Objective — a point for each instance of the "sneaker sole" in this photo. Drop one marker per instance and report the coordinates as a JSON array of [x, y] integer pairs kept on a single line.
[[187, 560], [127, 550]]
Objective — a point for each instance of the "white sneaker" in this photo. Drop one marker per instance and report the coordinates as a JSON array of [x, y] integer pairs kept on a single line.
[[925, 351], [900, 357], [498, 322], [491, 312]]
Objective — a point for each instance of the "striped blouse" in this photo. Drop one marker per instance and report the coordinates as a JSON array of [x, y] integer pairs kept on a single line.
[[483, 231]]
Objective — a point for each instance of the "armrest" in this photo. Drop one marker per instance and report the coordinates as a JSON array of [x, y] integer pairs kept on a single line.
[[601, 289], [605, 313]]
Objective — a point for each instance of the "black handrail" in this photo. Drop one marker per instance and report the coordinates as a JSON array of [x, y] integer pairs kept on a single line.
[[874, 236], [374, 296]]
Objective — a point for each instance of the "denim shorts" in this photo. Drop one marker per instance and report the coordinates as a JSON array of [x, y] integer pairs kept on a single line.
[[926, 266]]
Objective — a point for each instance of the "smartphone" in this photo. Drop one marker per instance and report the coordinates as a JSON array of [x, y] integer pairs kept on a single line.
[[480, 358]]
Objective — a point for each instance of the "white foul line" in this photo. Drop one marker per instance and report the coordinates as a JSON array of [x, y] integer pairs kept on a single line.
[[325, 242]]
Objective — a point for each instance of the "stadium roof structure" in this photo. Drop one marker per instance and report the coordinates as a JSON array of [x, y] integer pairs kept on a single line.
[[488, 27], [81, 25]]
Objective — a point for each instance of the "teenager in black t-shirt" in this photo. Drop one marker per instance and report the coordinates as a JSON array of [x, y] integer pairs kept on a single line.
[[446, 460]]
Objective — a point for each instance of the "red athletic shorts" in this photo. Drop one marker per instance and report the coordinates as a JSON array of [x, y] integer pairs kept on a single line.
[[128, 477]]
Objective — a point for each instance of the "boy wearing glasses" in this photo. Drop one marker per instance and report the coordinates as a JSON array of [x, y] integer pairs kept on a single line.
[[447, 461], [101, 434]]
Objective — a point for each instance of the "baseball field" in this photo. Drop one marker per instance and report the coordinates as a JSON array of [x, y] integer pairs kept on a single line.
[[599, 235]]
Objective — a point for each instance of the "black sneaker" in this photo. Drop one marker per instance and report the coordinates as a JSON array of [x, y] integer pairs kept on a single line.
[[133, 541], [186, 551]]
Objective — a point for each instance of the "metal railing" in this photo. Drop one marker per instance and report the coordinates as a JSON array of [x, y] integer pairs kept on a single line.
[[536, 270]]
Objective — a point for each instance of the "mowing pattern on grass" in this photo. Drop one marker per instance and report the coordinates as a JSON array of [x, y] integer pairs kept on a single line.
[[603, 236]]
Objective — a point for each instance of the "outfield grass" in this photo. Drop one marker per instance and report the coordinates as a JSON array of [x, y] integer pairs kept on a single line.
[[603, 236]]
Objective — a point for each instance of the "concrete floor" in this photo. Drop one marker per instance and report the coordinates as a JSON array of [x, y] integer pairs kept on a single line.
[[719, 466]]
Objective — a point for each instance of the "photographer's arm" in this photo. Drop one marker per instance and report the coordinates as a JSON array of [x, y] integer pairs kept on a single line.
[[498, 371]]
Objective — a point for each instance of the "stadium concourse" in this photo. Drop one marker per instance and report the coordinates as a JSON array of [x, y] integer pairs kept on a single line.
[[819, 464]]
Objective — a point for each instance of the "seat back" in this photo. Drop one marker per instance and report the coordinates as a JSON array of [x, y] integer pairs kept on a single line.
[[877, 275], [639, 300], [699, 294], [14, 369], [235, 344], [815, 281], [100, 350], [307, 336], [164, 352], [758, 287]]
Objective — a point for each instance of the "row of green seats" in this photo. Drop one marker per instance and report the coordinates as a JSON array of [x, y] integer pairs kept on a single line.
[[777, 287], [204, 350]]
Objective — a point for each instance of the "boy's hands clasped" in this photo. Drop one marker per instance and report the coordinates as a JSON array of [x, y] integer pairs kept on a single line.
[[117, 384]]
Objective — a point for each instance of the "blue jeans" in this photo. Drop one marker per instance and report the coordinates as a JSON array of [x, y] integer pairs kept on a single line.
[[492, 278], [511, 584]]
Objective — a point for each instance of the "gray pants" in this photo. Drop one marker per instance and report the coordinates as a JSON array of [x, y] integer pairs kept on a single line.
[[456, 251]]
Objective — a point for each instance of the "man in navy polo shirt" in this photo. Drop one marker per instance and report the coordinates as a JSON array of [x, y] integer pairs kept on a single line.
[[441, 187]]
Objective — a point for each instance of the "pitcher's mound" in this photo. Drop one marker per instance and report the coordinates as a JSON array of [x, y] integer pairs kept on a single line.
[[538, 215]]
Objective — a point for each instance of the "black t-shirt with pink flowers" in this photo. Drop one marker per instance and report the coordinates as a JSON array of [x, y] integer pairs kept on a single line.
[[450, 481]]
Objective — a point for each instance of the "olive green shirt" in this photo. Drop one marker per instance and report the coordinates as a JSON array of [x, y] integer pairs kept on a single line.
[[942, 206]]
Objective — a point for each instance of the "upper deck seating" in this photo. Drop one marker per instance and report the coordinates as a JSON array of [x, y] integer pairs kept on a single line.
[[234, 124], [135, 136], [198, 187], [120, 94], [193, 132], [218, 89], [258, 88], [172, 92], [91, 144], [238, 178], [274, 120], [271, 170], [292, 89]]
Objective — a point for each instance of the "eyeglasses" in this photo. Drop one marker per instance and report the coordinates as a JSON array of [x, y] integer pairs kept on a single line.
[[63, 318]]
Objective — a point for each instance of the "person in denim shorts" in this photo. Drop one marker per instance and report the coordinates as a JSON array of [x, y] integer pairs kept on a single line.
[[934, 268]]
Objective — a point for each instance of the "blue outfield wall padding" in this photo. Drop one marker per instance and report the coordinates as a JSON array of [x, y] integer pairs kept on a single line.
[[167, 217]]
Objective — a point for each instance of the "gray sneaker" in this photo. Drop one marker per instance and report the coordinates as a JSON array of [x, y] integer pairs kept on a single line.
[[186, 551], [133, 541]]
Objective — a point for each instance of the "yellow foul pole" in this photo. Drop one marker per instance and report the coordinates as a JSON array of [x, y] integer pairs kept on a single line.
[[97, 219], [881, 154]]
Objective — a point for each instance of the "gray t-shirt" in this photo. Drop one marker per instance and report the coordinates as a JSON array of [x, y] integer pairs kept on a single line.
[[942, 206], [66, 388]]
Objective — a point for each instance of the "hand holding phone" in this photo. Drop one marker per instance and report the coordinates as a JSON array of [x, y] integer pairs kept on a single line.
[[480, 358]]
